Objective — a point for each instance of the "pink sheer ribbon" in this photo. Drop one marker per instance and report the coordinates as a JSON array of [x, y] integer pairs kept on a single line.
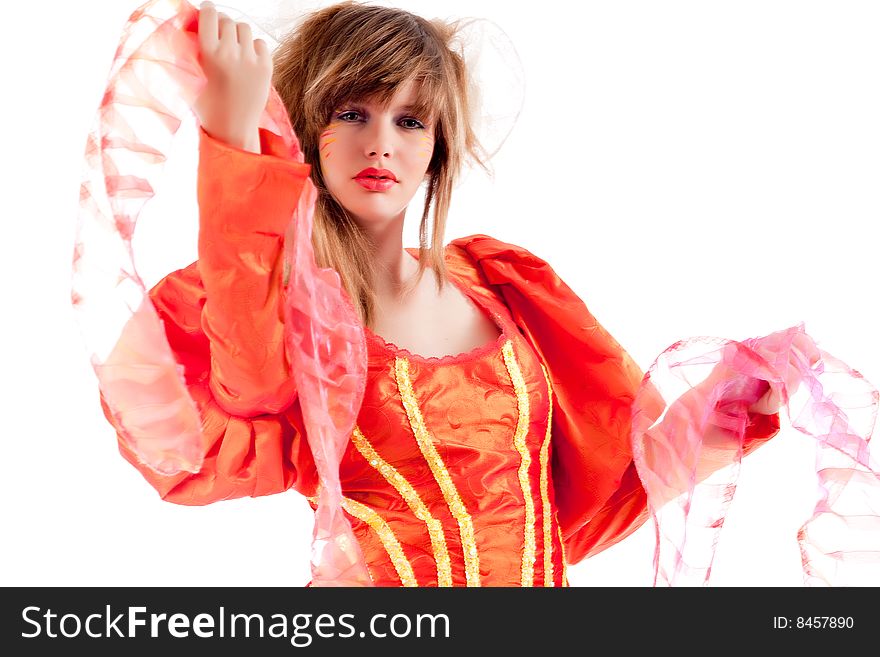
[[712, 383], [153, 83]]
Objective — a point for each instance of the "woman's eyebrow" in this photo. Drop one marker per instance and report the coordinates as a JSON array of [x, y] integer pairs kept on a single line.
[[362, 105], [412, 108]]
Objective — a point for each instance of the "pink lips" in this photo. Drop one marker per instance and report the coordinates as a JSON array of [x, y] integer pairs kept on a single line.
[[376, 180]]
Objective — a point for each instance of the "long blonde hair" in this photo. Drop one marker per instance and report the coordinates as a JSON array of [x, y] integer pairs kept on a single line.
[[355, 51]]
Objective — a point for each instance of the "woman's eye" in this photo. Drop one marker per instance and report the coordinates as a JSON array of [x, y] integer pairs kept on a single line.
[[349, 116], [412, 124]]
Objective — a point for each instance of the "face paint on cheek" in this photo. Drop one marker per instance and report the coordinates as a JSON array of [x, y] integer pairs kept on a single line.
[[427, 147], [325, 139]]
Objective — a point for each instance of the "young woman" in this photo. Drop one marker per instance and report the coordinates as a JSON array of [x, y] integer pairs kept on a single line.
[[492, 443]]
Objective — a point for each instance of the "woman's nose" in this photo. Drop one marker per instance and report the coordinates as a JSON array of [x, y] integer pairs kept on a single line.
[[378, 142]]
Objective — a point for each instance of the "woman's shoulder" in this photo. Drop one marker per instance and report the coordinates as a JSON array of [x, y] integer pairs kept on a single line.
[[480, 246], [496, 261]]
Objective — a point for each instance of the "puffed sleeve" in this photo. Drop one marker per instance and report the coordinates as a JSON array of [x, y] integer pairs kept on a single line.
[[223, 318], [246, 201], [599, 497]]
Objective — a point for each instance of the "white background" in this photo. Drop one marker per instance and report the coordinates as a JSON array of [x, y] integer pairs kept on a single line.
[[689, 168]]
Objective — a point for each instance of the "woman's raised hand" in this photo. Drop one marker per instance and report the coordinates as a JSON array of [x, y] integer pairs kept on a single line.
[[239, 75]]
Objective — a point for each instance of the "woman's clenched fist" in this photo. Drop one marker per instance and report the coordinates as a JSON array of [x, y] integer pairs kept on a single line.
[[238, 69]]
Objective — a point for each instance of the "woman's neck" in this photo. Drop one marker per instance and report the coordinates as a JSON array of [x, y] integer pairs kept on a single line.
[[395, 268]]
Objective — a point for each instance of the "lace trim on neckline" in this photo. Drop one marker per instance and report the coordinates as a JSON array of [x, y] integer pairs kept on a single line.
[[462, 357]]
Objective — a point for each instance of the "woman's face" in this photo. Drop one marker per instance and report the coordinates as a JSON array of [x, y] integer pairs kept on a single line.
[[374, 156]]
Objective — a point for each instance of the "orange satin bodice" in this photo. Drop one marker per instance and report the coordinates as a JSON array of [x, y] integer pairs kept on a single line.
[[447, 477]]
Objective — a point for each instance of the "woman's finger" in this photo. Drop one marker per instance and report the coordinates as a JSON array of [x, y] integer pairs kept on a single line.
[[207, 25], [228, 32], [245, 37], [261, 48], [768, 403]]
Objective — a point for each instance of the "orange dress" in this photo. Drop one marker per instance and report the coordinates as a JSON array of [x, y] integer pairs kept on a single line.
[[447, 476], [495, 467]]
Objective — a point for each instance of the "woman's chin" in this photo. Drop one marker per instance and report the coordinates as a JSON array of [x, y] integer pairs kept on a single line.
[[367, 217]]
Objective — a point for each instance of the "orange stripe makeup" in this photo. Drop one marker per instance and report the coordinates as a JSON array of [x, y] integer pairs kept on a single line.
[[428, 144], [326, 138]]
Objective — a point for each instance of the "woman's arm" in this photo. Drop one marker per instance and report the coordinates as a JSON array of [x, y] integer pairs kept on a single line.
[[627, 508], [248, 187], [243, 456], [599, 496], [223, 315], [246, 202]]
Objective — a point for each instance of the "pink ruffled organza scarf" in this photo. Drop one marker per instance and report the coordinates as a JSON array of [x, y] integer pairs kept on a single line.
[[826, 400], [153, 83]]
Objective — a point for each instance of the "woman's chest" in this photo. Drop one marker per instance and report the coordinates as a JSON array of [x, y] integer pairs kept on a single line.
[[437, 325]]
